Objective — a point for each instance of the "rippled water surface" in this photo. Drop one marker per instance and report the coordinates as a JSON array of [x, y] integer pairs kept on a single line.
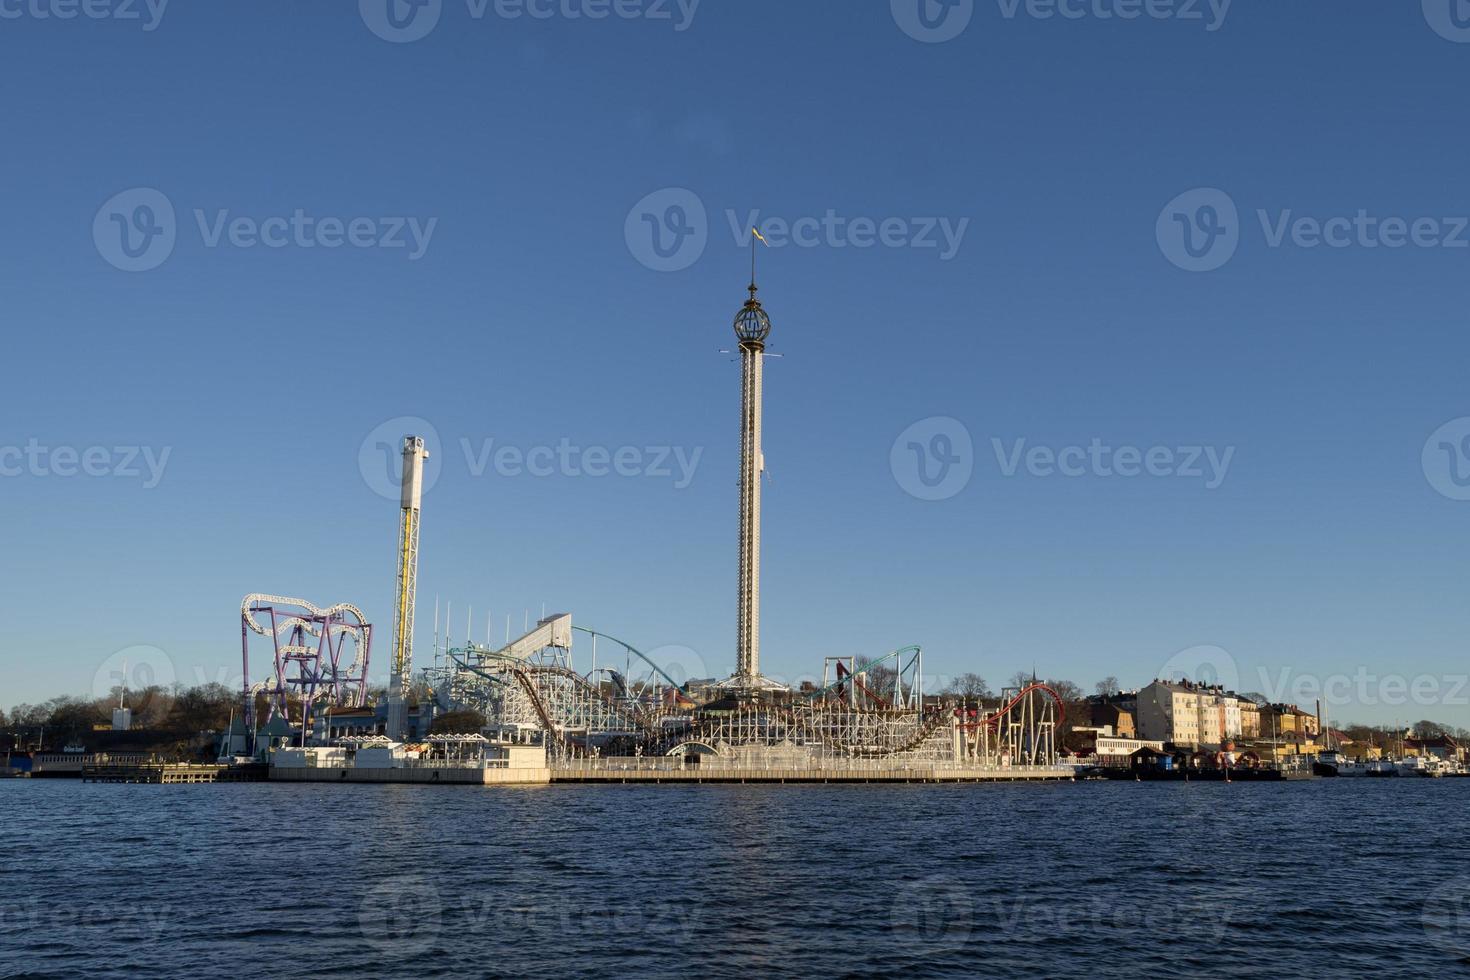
[[1328, 878]]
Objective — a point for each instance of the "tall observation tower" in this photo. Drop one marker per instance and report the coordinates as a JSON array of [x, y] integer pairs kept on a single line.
[[752, 327]]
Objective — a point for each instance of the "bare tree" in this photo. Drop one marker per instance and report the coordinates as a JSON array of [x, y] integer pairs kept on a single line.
[[1021, 679], [1107, 686], [467, 722], [969, 685], [1066, 690], [29, 715], [72, 718], [1429, 729], [880, 677], [203, 708]]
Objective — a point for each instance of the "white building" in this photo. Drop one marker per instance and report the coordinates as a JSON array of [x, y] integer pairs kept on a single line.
[[1186, 713]]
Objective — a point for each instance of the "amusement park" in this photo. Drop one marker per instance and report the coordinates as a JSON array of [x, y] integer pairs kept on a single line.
[[542, 711]]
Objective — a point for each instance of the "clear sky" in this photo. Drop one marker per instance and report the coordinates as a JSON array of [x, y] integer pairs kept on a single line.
[[1055, 229]]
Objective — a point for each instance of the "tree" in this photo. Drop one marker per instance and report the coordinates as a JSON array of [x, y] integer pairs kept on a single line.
[[1066, 690], [458, 723], [72, 718], [1107, 686], [969, 685], [200, 709], [1021, 679], [879, 678], [29, 715]]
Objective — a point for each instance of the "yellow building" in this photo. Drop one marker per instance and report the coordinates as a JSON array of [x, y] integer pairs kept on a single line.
[[1288, 723], [1250, 719]]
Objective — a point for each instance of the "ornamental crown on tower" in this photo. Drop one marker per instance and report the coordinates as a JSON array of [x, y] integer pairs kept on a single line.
[[752, 325]]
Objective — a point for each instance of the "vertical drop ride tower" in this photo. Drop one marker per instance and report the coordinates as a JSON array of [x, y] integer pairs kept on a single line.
[[752, 328], [414, 455]]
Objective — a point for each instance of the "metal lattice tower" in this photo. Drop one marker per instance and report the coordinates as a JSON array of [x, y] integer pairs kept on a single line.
[[414, 455]]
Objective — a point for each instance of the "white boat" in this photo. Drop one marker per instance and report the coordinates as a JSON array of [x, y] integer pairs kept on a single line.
[[1418, 765], [1331, 762]]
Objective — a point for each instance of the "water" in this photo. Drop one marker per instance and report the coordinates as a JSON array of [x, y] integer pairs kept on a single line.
[[1130, 880]]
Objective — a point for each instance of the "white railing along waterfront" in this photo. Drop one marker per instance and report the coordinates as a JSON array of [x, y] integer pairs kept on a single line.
[[717, 764], [452, 764]]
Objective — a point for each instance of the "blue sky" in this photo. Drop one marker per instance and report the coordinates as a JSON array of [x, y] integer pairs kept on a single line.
[[526, 309]]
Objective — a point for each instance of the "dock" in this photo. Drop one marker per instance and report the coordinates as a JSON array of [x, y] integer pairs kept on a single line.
[[611, 773], [422, 775], [172, 773]]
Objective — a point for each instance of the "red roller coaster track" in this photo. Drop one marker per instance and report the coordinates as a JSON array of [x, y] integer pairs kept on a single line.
[[992, 721]]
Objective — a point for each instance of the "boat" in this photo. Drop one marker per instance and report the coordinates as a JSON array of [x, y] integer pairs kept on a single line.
[[1331, 762], [1418, 765]]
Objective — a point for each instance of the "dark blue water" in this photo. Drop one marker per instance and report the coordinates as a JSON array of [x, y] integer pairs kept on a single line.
[[1329, 878]]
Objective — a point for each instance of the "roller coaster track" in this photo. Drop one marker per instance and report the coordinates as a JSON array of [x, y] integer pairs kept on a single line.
[[543, 712], [637, 653], [843, 676], [526, 676], [932, 724], [252, 603], [992, 721]]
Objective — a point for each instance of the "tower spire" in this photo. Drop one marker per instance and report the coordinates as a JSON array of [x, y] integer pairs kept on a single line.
[[752, 327], [753, 235]]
